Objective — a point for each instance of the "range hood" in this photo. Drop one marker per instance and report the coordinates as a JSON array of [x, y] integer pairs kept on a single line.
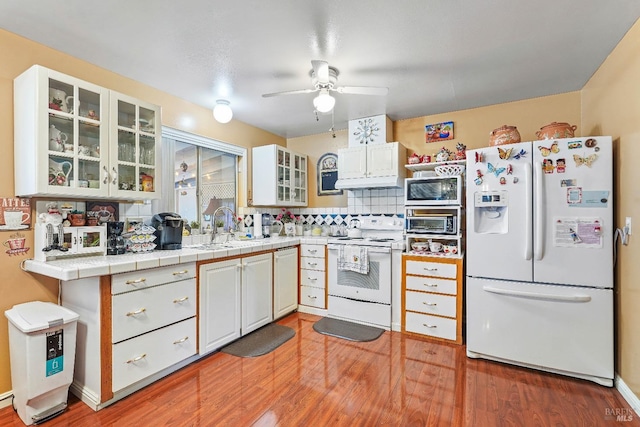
[[372, 182]]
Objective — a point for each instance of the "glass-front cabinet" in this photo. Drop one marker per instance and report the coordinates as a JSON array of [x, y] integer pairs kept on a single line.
[[67, 135], [279, 177], [134, 153]]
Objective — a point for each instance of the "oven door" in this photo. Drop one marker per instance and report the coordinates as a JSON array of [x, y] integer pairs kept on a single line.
[[374, 286], [444, 224], [437, 190]]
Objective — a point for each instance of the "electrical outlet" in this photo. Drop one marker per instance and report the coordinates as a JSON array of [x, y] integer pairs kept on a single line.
[[627, 225]]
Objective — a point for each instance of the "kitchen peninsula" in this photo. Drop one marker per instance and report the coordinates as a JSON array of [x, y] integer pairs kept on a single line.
[[144, 316]]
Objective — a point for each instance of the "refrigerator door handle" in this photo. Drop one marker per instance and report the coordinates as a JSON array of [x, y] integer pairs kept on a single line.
[[536, 295], [528, 247], [538, 191]]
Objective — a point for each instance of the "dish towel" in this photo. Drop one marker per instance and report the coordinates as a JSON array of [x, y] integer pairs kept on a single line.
[[353, 258]]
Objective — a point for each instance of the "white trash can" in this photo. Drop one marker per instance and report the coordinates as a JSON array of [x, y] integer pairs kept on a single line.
[[42, 347]]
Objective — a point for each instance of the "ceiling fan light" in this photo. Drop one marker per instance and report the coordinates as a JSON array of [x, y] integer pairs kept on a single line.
[[324, 102], [222, 111]]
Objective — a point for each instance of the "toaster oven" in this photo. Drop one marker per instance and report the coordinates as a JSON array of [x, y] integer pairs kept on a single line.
[[419, 221]]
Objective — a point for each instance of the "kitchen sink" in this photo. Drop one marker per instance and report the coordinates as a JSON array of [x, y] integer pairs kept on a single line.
[[226, 245]]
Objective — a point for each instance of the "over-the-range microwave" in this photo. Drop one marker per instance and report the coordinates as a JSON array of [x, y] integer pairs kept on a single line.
[[433, 190], [423, 221]]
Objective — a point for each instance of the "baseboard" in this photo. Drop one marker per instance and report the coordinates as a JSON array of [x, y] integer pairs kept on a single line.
[[312, 310], [627, 394], [5, 399]]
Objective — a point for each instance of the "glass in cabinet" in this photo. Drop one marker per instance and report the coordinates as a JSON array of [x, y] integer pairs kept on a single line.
[[279, 177]]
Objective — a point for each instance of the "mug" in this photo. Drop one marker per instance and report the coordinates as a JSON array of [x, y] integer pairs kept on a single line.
[[84, 150], [435, 246], [15, 218]]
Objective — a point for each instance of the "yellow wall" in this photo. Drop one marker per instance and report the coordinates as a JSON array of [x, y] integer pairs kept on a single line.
[[18, 54], [611, 106]]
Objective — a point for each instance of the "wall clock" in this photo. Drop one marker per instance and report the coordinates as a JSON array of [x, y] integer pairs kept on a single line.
[[367, 131]]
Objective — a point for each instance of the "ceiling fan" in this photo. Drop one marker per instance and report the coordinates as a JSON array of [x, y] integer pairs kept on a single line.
[[324, 79]]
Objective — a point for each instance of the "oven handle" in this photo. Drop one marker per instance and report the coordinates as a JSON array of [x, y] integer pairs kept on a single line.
[[371, 249]]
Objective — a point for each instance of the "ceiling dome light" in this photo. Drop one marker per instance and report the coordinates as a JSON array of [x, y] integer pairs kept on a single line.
[[222, 111], [324, 102]]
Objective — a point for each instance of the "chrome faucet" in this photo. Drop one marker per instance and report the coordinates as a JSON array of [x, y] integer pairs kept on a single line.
[[213, 220]]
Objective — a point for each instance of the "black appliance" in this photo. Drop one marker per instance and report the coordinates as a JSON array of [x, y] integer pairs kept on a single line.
[[168, 232], [115, 241]]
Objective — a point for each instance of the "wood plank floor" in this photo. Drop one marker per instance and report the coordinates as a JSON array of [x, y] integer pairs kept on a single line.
[[316, 380]]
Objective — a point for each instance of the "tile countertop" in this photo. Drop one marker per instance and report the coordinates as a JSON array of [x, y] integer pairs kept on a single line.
[[92, 266]]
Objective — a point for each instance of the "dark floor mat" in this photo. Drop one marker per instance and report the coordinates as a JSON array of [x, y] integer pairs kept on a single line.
[[261, 341], [347, 330]]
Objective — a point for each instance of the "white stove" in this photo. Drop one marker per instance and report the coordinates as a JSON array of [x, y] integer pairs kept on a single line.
[[364, 273]]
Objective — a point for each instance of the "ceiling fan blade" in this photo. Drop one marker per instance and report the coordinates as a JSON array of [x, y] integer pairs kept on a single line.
[[289, 92], [321, 70], [362, 90]]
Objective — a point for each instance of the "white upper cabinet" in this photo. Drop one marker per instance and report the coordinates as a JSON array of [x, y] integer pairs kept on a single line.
[[279, 177], [67, 139], [371, 166]]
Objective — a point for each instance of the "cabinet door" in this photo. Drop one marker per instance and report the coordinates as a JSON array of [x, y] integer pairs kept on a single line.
[[285, 282], [352, 162], [382, 160], [257, 309], [299, 181], [134, 169], [219, 319], [60, 134]]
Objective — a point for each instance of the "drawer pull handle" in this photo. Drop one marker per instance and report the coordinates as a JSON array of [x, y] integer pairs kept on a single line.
[[180, 300], [312, 278], [430, 304], [137, 359], [313, 251], [430, 268], [430, 285], [181, 341], [313, 264], [135, 313], [312, 297], [176, 273], [429, 326], [135, 282]]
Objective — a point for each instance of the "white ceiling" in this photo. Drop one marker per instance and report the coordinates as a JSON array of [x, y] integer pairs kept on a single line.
[[434, 55]]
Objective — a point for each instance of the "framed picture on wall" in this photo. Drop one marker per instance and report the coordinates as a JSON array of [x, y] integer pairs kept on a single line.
[[438, 132], [328, 175]]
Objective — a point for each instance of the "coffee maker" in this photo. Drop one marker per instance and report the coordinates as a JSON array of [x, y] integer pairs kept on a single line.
[[115, 241], [168, 232]]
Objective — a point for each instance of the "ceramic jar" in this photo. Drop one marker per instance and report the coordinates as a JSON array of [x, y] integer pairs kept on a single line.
[[556, 130], [504, 135]]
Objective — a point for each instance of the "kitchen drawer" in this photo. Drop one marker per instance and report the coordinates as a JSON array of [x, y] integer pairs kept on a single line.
[[434, 326], [434, 269], [134, 313], [442, 305], [312, 263], [312, 250], [432, 284], [137, 358], [125, 282], [315, 278], [313, 297]]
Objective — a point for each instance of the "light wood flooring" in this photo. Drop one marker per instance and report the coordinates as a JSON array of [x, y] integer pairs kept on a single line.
[[316, 380]]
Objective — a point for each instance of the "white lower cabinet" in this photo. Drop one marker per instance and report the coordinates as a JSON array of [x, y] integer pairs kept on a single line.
[[235, 299], [285, 282], [313, 275]]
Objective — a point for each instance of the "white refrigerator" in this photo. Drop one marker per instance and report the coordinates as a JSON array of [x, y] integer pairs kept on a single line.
[[539, 256]]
